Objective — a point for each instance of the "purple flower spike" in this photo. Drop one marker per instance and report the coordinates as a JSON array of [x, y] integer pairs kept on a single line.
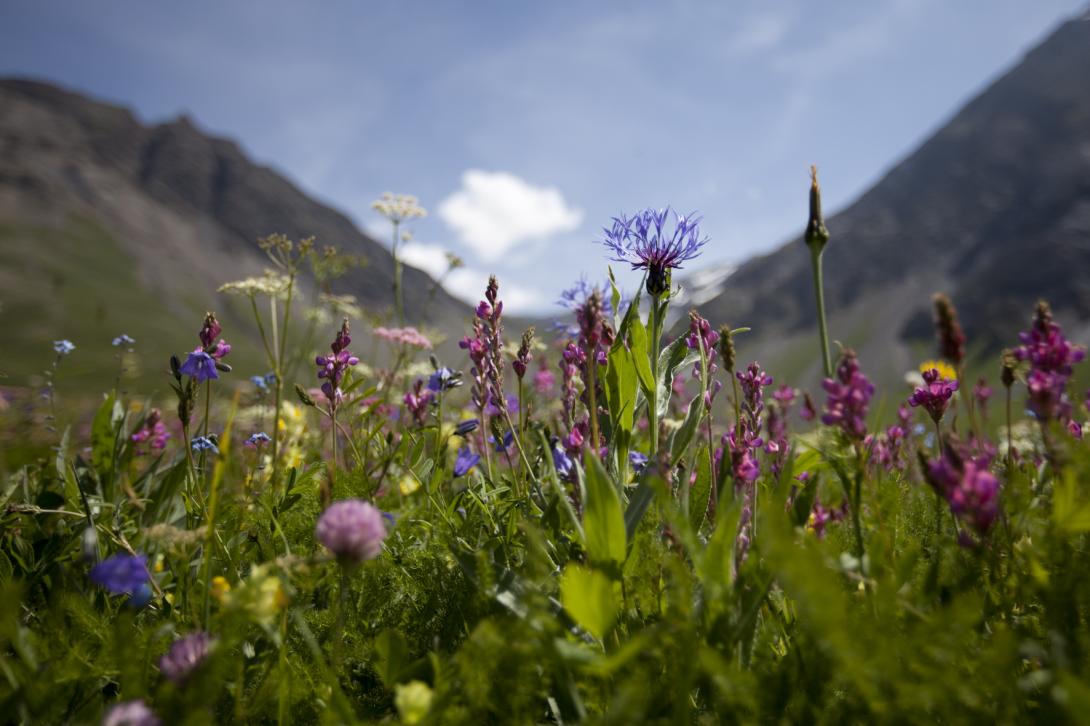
[[131, 713], [121, 574], [646, 242], [966, 484], [849, 396], [935, 395], [1051, 357], [465, 461], [184, 657], [210, 330], [352, 529], [199, 366], [333, 367]]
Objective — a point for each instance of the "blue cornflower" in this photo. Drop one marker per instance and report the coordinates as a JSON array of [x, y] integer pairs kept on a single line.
[[638, 461], [465, 461], [444, 379], [467, 427], [200, 366], [646, 242], [122, 574], [575, 298], [258, 439], [121, 340], [63, 347], [204, 443]]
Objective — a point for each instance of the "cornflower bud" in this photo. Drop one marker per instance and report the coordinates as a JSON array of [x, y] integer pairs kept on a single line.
[[816, 233]]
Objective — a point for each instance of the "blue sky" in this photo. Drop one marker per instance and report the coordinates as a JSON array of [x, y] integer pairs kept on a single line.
[[523, 127]]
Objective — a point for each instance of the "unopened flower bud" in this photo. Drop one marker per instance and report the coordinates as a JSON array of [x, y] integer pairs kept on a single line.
[[816, 233]]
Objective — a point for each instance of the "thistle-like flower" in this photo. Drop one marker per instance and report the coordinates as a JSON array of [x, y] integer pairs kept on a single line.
[[185, 656], [352, 529], [935, 394], [647, 241]]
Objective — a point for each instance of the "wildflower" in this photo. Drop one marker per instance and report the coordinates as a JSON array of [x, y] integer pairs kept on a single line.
[[220, 351], [945, 370], [258, 439], [260, 597], [816, 234], [444, 379], [185, 656], [131, 713], [966, 484], [982, 392], [270, 283], [544, 379], [259, 382], [199, 366], [638, 461], [413, 701], [503, 444], [849, 396], [121, 574], [153, 430], [726, 347], [408, 485], [523, 356], [210, 330], [352, 529], [398, 207], [809, 411], [753, 380], [485, 349], [63, 347], [121, 340], [204, 443], [1051, 357], [466, 427], [465, 461], [645, 242], [575, 297], [220, 587], [404, 336], [332, 367], [821, 516], [565, 467], [935, 394], [417, 401], [702, 338], [951, 339]]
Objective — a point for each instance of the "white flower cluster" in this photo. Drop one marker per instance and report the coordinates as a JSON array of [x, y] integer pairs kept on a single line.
[[398, 207]]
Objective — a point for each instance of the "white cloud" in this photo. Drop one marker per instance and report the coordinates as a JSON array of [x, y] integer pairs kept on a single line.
[[430, 258], [468, 284], [495, 210]]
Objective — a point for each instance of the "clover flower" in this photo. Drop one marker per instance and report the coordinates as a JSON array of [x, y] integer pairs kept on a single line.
[[848, 397], [153, 430], [966, 484], [332, 367], [1051, 357], [464, 461], [935, 394], [121, 574], [121, 340], [404, 336], [352, 529], [185, 656], [199, 366], [646, 241], [63, 347], [131, 713]]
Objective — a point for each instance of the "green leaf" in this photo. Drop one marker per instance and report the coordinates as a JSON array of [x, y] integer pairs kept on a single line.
[[603, 518], [1070, 514], [621, 388], [637, 337], [590, 598], [393, 656], [683, 436], [638, 503], [104, 434], [700, 494], [672, 357]]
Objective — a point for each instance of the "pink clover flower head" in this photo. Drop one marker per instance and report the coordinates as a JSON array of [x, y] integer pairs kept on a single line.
[[185, 656], [404, 336], [352, 530]]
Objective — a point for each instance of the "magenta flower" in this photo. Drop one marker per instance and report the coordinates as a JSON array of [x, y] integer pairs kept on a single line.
[[210, 330], [544, 379], [184, 657], [352, 529], [417, 401], [935, 394], [966, 484], [485, 349], [1051, 357], [848, 398], [333, 367], [153, 430]]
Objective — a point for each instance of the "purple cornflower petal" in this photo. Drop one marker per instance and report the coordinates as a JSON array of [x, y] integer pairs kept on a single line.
[[351, 529], [121, 574], [647, 242]]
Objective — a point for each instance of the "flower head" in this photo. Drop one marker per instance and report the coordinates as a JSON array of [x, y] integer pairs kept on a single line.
[[121, 574], [965, 482], [444, 379], [153, 430], [1051, 357], [647, 241], [121, 340], [210, 330], [185, 656], [131, 713], [404, 336], [63, 347], [935, 394], [417, 401], [466, 427], [199, 366], [398, 207], [465, 461], [258, 439], [204, 443], [951, 339], [352, 529], [849, 397], [332, 367]]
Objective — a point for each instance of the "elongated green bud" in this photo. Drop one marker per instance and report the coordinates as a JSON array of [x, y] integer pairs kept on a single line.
[[816, 233]]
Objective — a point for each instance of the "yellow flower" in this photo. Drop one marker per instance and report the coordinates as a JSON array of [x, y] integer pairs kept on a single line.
[[220, 587], [945, 369], [408, 485], [158, 567], [413, 701]]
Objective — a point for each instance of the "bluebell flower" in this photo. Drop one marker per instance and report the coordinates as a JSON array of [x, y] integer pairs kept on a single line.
[[199, 366], [465, 461], [258, 439], [647, 242], [140, 597], [502, 446], [565, 467], [63, 347], [204, 443], [638, 461], [467, 427], [121, 574], [259, 382], [121, 340], [444, 379]]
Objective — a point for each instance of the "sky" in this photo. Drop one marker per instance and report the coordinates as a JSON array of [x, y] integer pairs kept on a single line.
[[524, 127]]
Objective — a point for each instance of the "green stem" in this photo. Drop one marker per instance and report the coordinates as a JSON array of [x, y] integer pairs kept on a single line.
[[819, 291], [399, 304], [592, 399], [338, 630], [653, 402]]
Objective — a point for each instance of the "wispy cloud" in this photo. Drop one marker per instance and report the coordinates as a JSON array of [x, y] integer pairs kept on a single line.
[[495, 210]]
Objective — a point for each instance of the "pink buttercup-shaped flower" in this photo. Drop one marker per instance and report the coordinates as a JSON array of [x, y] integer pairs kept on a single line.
[[352, 529]]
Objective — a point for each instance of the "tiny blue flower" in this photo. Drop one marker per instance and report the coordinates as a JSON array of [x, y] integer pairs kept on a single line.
[[502, 446], [63, 347], [121, 574], [465, 461], [638, 461], [565, 467], [259, 381], [199, 366], [444, 379], [204, 443], [121, 340], [258, 439]]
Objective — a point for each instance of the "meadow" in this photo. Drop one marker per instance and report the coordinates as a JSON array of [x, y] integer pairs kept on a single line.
[[616, 520]]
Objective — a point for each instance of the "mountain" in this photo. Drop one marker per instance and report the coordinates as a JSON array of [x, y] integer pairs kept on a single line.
[[993, 209], [111, 226]]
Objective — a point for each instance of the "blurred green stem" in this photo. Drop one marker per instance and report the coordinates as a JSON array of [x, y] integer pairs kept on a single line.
[[653, 350], [816, 252], [399, 304]]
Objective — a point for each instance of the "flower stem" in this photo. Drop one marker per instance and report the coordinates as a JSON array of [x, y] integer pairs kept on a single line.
[[653, 351], [399, 304], [338, 628], [819, 292]]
